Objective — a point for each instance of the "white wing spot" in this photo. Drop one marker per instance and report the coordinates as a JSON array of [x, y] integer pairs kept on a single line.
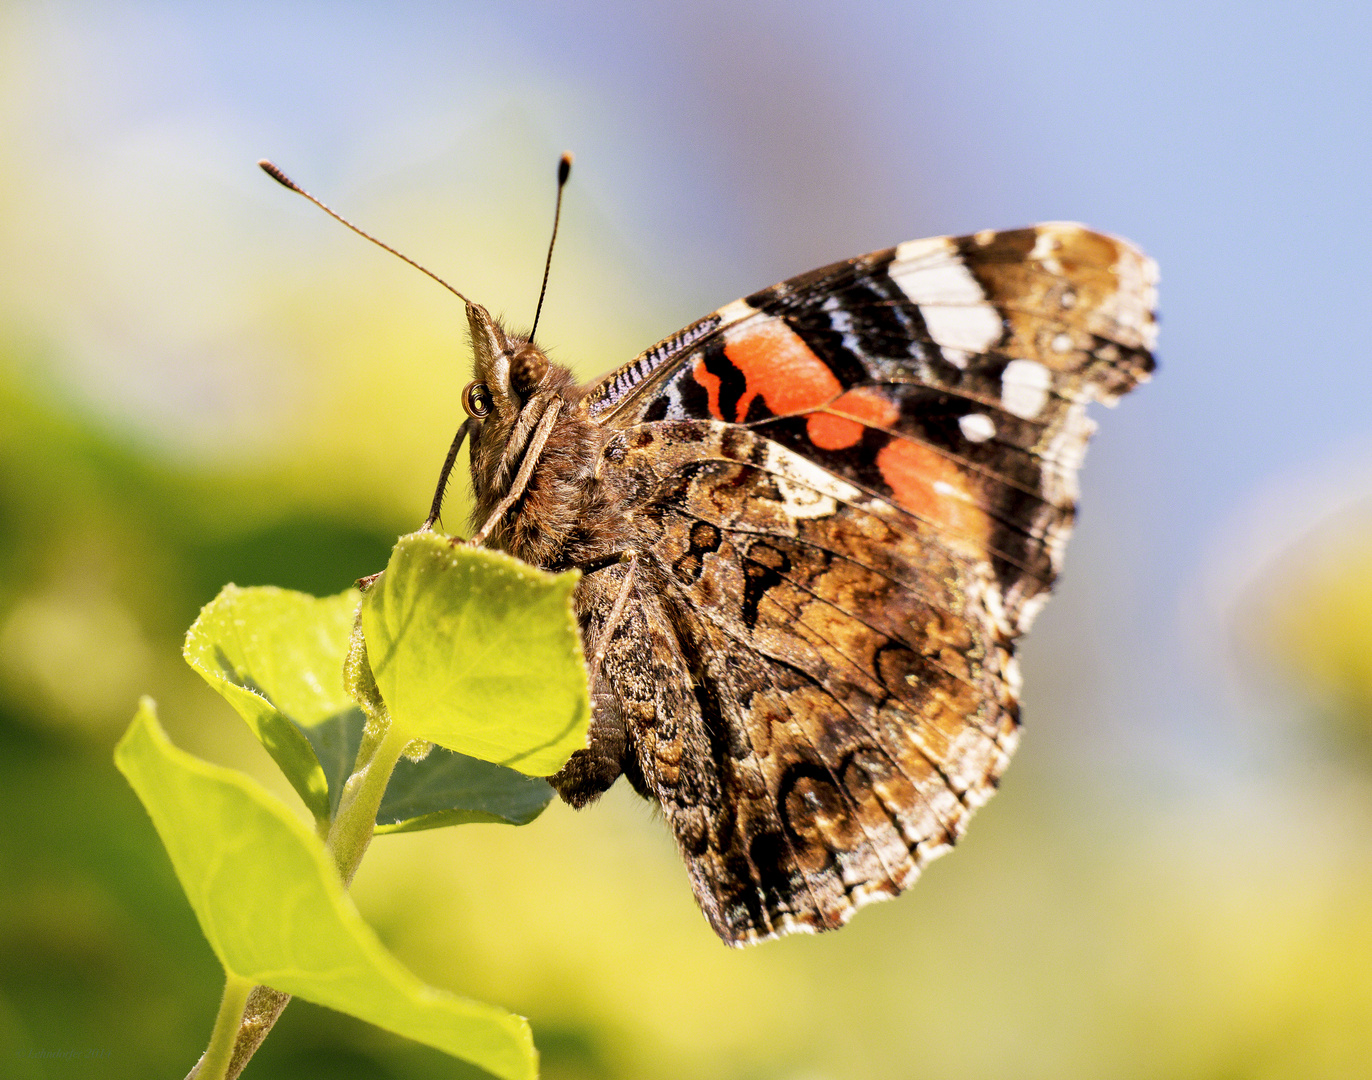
[[951, 301], [1047, 244], [736, 311], [1024, 387], [956, 357], [1062, 343], [1029, 610], [1010, 672], [807, 490], [944, 281], [804, 502], [974, 327], [933, 248], [976, 427]]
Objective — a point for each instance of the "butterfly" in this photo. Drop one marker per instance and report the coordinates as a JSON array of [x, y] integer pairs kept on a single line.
[[811, 527]]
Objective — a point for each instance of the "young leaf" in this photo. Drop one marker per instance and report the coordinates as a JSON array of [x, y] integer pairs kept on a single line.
[[277, 657], [270, 903], [479, 652]]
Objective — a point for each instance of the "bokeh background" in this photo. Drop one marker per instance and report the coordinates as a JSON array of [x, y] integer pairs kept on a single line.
[[203, 379]]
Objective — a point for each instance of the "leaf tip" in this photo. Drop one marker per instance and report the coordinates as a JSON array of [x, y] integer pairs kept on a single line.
[[144, 736]]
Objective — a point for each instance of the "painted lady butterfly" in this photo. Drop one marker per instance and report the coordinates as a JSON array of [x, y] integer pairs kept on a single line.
[[812, 526]]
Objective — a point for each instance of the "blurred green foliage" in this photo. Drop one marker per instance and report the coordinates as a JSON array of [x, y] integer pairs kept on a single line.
[[107, 554], [1314, 628]]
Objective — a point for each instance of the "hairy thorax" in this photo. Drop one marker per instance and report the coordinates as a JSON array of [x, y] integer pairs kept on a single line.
[[572, 512]]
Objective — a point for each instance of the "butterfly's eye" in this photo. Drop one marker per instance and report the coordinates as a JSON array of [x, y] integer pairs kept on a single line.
[[528, 365], [477, 400]]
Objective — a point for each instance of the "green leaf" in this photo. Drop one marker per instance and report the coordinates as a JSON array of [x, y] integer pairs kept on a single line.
[[421, 794], [270, 903], [277, 657], [479, 652]]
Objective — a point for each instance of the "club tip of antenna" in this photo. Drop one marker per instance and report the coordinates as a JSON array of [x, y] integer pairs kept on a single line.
[[275, 173], [564, 168]]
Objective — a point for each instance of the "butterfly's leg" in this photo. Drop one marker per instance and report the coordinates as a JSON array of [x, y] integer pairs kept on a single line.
[[591, 771], [521, 480], [442, 488], [607, 632]]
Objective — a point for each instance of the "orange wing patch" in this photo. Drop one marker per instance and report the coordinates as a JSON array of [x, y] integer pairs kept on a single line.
[[927, 484], [777, 366], [840, 425]]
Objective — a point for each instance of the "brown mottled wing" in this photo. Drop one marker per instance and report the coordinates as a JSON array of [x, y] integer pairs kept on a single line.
[[860, 483]]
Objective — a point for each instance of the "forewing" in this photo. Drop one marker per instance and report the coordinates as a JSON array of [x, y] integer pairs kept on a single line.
[[950, 376], [951, 312]]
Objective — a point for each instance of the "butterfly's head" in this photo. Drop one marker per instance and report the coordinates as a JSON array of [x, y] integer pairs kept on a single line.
[[508, 369]]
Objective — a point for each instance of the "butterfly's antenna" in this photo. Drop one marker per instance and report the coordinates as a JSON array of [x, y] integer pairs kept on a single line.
[[285, 181], [564, 170]]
